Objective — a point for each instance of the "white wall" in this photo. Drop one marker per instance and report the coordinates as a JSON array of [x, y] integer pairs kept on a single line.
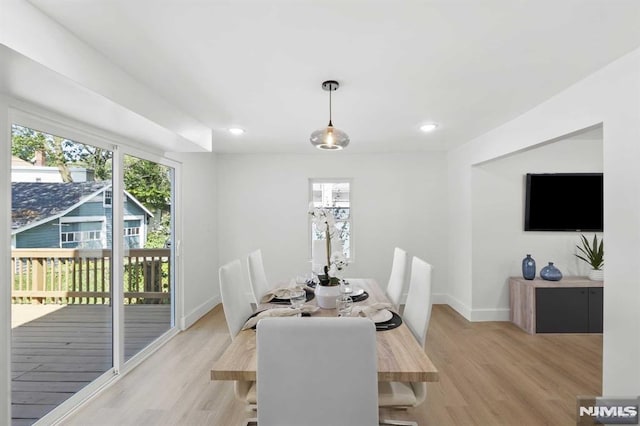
[[198, 246], [397, 200], [499, 241], [610, 96]]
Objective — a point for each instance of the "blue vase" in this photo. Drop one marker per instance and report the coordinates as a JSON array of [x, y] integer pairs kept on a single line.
[[550, 273], [528, 268]]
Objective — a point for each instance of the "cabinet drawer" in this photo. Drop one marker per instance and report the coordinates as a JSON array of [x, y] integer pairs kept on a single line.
[[562, 310], [595, 309]]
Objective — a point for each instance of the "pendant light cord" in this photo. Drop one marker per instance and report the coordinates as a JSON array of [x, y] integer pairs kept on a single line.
[[330, 90]]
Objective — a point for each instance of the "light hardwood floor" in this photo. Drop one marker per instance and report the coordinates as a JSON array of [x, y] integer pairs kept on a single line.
[[491, 373]]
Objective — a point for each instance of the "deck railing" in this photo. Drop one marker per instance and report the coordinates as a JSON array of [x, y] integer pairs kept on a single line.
[[72, 276]]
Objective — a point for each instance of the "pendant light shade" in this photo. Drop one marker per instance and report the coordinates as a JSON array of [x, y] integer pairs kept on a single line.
[[330, 138]]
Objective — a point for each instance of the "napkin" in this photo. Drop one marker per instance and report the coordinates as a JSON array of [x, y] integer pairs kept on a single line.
[[276, 293], [278, 312], [370, 310]]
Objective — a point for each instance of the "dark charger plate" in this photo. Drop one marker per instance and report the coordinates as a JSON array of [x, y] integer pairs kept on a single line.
[[394, 322], [360, 297]]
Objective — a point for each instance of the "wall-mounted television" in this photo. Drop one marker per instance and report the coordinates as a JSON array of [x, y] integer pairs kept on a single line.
[[564, 202]]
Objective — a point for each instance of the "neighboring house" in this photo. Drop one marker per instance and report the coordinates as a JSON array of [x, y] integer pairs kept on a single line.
[[71, 215], [24, 171]]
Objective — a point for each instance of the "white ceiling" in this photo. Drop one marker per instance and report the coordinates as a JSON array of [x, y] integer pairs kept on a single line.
[[469, 65], [27, 80]]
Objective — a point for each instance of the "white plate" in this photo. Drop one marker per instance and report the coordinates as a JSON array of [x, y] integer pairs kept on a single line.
[[356, 292], [382, 316]]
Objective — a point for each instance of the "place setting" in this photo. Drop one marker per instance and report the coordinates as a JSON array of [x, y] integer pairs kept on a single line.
[[381, 314], [302, 311], [288, 295], [357, 294], [295, 297]]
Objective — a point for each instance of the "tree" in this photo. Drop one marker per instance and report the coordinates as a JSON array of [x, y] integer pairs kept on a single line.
[[58, 157], [148, 182], [25, 142], [99, 160], [60, 152]]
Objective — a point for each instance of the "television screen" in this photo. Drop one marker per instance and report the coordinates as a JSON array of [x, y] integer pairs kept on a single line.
[[564, 202]]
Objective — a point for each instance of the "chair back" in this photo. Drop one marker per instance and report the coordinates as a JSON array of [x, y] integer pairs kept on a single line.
[[397, 277], [317, 372], [257, 277], [236, 303], [417, 309]]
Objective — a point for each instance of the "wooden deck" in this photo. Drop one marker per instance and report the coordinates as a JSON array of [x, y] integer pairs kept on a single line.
[[57, 350]]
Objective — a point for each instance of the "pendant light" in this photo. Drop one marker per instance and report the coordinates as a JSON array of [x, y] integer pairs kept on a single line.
[[330, 138]]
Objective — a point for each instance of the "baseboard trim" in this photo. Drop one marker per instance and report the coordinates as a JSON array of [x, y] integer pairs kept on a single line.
[[197, 313], [457, 305], [473, 315], [497, 314]]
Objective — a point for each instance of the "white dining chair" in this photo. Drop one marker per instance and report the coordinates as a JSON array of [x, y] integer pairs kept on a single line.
[[416, 315], [395, 287], [317, 372], [257, 276], [237, 308]]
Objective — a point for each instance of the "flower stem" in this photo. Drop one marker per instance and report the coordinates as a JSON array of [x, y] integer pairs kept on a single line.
[[328, 238]]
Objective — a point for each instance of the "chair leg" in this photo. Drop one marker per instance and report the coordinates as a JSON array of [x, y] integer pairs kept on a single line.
[[397, 423]]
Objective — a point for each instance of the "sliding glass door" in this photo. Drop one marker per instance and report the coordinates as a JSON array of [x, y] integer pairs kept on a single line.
[[61, 269], [93, 272], [148, 260]]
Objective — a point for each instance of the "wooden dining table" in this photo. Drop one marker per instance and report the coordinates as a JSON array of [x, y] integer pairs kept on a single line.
[[400, 357]]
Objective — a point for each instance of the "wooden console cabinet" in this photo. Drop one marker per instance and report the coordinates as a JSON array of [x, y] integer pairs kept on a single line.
[[571, 305]]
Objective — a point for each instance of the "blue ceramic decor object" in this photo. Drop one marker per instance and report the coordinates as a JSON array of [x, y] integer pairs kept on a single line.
[[550, 273], [528, 268]]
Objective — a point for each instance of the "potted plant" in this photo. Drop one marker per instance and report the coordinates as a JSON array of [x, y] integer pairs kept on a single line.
[[328, 288], [593, 254]]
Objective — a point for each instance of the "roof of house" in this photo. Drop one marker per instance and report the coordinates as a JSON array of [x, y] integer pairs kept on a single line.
[[33, 202]]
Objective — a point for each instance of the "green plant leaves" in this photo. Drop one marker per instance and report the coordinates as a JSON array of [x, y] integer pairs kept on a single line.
[[592, 253]]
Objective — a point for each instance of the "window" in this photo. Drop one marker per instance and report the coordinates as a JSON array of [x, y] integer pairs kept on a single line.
[[131, 231], [334, 195], [107, 198], [78, 237]]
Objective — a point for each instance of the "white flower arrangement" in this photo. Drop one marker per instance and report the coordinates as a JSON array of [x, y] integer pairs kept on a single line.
[[338, 262], [325, 222]]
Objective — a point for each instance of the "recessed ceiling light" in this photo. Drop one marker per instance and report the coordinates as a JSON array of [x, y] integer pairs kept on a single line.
[[429, 127], [236, 131]]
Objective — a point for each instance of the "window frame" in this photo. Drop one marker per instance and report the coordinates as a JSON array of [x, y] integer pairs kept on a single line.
[[107, 198], [349, 181], [48, 121]]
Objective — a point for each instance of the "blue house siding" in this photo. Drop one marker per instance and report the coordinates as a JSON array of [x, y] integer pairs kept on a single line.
[[132, 209], [90, 209], [88, 225], [42, 236], [109, 232]]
